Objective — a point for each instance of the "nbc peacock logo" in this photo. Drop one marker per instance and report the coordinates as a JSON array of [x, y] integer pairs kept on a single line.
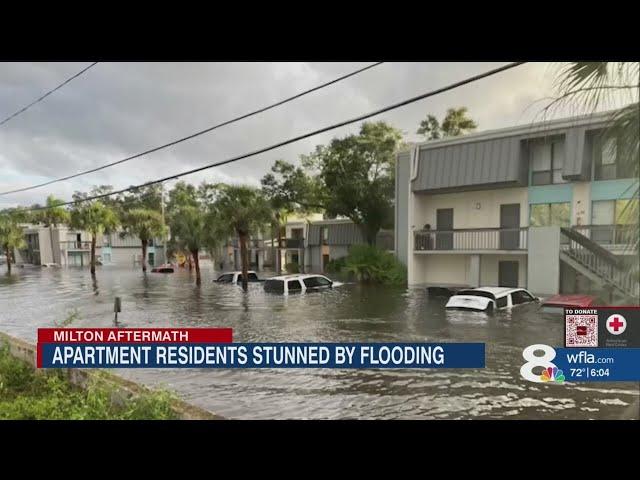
[[552, 374]]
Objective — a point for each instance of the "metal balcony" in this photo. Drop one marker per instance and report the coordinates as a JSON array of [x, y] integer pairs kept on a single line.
[[471, 239]]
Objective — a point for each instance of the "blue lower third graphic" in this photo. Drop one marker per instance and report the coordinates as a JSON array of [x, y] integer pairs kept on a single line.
[[599, 364], [264, 355]]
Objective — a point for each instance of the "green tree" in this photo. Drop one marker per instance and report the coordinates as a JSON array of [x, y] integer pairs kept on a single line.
[[11, 234], [94, 217], [147, 197], [456, 122], [182, 194], [187, 222], [243, 211], [279, 196], [351, 177], [145, 224], [52, 216], [430, 128]]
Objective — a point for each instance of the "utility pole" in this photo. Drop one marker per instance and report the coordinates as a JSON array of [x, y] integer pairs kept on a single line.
[[164, 239]]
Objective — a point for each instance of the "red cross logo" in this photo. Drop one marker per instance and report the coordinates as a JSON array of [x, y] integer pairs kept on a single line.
[[616, 324]]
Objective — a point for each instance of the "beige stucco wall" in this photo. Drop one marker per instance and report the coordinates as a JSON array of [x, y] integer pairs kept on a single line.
[[440, 269], [581, 208], [466, 213], [454, 269], [489, 269]]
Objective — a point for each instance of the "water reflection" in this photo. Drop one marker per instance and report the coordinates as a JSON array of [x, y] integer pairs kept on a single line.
[[349, 313]]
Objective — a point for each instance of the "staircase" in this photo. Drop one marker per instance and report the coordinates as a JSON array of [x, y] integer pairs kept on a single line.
[[598, 264]]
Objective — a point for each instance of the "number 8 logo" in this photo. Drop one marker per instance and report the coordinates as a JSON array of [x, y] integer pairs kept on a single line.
[[534, 361]]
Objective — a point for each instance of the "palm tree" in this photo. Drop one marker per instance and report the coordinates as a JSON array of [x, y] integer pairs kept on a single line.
[[11, 236], [455, 123], [52, 216], [243, 211], [96, 218], [188, 232], [586, 87], [145, 224]]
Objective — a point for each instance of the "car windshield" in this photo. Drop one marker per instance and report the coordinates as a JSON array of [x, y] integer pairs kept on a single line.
[[476, 293]]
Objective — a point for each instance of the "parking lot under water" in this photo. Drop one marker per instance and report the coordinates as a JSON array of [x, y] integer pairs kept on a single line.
[[40, 297]]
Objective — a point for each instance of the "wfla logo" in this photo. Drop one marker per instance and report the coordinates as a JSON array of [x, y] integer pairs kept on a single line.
[[550, 372]]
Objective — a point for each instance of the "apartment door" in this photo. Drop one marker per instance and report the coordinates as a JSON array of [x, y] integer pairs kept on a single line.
[[444, 222], [325, 261], [510, 220], [508, 274]]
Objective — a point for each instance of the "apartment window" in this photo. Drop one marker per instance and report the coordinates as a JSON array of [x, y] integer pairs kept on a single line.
[[296, 233], [626, 211], [603, 212], [606, 156], [608, 215], [325, 235], [547, 214], [547, 162], [614, 212]]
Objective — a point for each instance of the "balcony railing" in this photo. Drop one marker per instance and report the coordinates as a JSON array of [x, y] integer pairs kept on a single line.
[[609, 235], [75, 245], [467, 239]]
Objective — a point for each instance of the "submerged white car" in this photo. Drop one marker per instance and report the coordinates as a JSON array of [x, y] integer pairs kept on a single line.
[[297, 283], [236, 277], [487, 299]]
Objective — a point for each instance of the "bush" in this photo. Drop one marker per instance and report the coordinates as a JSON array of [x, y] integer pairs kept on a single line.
[[336, 266], [25, 395], [292, 268], [369, 264]]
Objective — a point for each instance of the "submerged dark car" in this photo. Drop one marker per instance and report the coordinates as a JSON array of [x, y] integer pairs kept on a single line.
[[558, 303]]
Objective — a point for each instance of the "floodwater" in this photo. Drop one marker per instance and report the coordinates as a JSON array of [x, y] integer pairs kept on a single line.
[[39, 297]]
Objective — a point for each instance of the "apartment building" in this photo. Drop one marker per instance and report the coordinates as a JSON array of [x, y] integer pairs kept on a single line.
[[68, 247], [539, 206]]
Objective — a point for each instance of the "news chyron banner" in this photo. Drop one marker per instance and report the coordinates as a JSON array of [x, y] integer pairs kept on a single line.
[[214, 348], [601, 344]]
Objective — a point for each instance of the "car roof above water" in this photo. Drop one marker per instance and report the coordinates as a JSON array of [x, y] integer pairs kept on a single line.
[[495, 291], [298, 276]]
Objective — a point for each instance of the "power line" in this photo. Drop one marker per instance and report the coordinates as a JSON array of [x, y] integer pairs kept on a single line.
[[300, 137], [201, 132], [46, 94]]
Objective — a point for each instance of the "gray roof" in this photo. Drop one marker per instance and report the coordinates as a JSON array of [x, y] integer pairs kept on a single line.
[[500, 158]]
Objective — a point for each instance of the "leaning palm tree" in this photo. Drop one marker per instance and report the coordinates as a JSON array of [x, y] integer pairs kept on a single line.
[[242, 211], [11, 236], [145, 224], [585, 87]]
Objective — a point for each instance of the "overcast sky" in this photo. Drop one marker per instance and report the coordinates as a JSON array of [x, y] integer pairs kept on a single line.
[[118, 109]]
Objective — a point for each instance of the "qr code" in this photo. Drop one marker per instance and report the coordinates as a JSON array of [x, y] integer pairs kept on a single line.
[[581, 331]]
